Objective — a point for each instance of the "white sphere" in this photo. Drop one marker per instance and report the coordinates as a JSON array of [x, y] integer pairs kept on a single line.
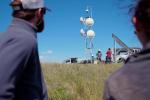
[[82, 32], [82, 20], [89, 21], [90, 34]]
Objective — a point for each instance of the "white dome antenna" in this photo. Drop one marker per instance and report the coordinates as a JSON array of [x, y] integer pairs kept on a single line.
[[90, 34], [89, 21]]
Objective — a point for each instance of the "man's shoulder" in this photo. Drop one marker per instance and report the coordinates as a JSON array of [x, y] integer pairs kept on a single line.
[[130, 72], [124, 71], [26, 40], [22, 40]]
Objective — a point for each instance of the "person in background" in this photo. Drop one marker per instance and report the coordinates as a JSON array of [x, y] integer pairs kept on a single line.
[[132, 81], [108, 56], [99, 55], [21, 75], [92, 59]]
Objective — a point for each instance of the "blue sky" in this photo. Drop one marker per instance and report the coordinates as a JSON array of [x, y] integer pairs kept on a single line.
[[61, 38]]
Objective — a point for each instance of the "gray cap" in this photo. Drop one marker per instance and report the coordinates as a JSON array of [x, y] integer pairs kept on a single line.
[[32, 4]]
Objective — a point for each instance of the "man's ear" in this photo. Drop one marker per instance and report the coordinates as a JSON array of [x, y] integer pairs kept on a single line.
[[39, 13], [134, 20]]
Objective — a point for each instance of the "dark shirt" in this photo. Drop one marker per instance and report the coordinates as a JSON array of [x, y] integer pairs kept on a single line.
[[20, 71], [132, 81]]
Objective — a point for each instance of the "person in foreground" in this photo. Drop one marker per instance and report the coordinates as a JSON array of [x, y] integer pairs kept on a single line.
[[132, 81], [20, 71]]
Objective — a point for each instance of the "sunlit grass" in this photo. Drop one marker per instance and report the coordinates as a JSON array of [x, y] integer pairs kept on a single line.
[[76, 81]]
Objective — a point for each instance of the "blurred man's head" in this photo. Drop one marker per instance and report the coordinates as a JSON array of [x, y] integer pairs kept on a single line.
[[141, 21], [30, 10]]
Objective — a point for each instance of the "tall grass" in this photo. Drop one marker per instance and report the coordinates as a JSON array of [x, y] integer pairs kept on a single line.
[[76, 81]]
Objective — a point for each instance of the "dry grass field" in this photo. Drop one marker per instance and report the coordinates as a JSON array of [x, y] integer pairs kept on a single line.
[[76, 81]]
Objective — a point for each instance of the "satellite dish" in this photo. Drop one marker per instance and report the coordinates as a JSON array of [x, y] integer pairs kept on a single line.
[[89, 21], [83, 33], [90, 34], [82, 20]]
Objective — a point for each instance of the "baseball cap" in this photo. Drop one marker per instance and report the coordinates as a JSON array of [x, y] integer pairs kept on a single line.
[[31, 4]]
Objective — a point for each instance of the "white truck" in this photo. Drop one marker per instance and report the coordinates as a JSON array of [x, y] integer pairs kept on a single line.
[[121, 54]]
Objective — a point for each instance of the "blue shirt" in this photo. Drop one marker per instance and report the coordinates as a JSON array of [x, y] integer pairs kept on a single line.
[[20, 71]]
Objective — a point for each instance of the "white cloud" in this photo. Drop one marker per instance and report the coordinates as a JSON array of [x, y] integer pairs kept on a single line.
[[46, 56], [48, 52], [41, 57]]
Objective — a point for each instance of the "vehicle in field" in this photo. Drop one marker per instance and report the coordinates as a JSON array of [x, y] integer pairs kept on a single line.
[[71, 60], [77, 60], [121, 54]]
